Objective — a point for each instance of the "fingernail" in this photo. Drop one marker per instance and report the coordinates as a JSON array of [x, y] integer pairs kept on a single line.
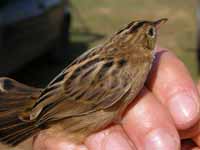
[[160, 139], [116, 141], [184, 109]]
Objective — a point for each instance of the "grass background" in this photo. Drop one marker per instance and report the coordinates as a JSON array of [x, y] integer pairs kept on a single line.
[[106, 16]]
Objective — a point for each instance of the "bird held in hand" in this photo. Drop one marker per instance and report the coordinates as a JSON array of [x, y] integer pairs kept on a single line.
[[89, 94]]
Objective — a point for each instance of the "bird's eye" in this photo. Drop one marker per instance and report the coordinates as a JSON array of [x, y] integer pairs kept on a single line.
[[151, 32]]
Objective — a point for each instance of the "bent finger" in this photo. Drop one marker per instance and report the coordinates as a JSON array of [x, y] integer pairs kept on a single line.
[[112, 138], [149, 126], [172, 84]]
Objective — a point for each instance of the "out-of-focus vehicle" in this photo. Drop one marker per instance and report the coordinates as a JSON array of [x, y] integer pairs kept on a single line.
[[29, 28]]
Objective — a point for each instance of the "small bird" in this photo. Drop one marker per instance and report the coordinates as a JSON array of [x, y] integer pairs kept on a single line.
[[88, 95]]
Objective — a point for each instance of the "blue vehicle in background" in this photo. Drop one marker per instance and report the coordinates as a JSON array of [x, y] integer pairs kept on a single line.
[[29, 28]]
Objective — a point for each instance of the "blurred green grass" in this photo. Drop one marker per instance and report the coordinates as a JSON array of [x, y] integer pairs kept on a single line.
[[106, 16]]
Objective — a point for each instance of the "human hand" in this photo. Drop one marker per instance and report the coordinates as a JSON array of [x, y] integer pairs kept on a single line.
[[169, 102]]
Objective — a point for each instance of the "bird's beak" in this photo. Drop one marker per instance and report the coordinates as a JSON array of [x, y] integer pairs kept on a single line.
[[160, 22]]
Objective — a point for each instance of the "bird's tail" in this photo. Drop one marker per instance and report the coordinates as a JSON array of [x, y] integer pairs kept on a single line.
[[14, 99]]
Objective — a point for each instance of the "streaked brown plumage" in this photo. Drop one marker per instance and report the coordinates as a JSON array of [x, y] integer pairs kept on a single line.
[[87, 95]]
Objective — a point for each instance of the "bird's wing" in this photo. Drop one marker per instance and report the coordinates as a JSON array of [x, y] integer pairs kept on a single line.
[[95, 84], [89, 53]]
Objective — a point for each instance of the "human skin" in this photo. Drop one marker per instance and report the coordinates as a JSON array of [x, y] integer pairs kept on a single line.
[[166, 111]]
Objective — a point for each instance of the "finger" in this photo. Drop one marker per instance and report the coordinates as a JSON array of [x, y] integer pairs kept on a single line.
[[112, 138], [191, 132], [46, 141], [172, 85], [149, 126], [196, 139], [196, 130], [195, 148]]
